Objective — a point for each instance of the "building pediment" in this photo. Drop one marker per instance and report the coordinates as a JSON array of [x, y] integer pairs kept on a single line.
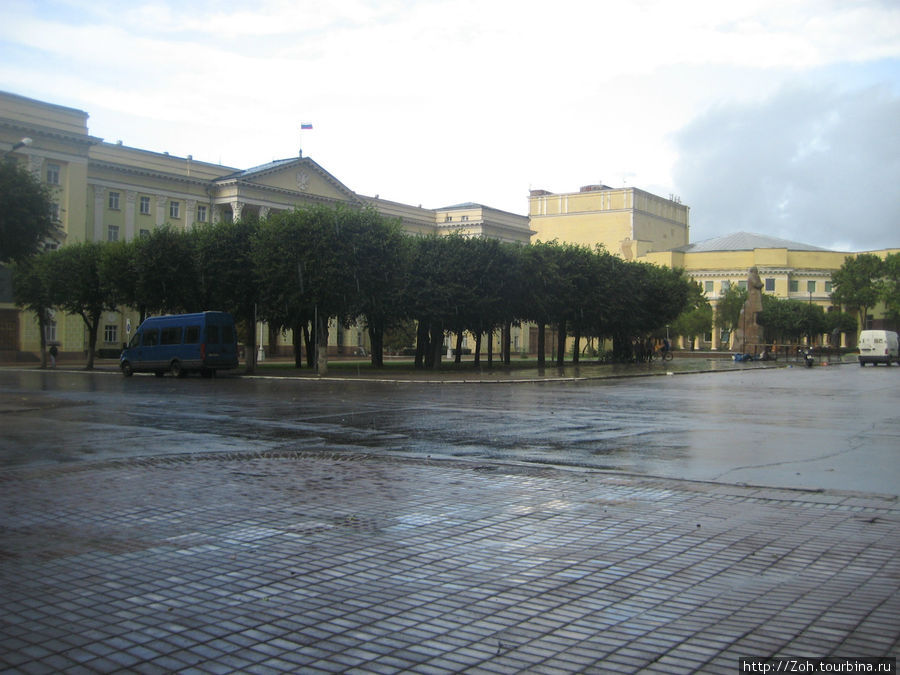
[[299, 177]]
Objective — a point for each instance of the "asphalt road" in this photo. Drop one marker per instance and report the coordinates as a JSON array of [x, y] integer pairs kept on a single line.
[[833, 428]]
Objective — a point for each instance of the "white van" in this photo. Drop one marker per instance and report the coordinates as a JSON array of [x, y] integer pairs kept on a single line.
[[878, 346]]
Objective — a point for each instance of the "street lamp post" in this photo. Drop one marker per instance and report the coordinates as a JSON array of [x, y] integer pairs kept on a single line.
[[25, 142]]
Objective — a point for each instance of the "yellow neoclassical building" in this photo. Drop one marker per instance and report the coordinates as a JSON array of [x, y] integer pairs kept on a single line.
[[637, 225], [108, 191], [627, 221]]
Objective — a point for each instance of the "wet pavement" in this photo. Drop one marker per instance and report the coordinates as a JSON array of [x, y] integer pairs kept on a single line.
[[264, 525]]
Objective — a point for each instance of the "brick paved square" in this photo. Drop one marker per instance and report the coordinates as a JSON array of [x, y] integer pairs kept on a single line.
[[450, 568]]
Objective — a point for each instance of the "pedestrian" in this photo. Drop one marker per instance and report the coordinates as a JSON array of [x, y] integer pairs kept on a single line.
[[53, 352]]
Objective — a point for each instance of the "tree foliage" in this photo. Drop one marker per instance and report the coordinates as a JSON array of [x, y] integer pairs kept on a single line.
[[858, 284], [298, 270], [25, 219], [77, 287]]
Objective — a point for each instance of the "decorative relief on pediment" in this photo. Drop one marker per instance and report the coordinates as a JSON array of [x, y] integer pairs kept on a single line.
[[303, 181]]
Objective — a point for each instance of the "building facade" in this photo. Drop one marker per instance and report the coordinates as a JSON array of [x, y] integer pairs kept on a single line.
[[628, 222], [108, 191]]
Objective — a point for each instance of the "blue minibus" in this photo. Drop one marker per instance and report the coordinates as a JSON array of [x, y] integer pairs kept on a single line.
[[181, 344]]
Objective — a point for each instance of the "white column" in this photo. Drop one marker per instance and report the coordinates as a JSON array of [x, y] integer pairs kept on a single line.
[[190, 213], [99, 197], [130, 200], [160, 210], [236, 208]]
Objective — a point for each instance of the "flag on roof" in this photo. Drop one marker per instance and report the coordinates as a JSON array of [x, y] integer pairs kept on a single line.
[[305, 126]]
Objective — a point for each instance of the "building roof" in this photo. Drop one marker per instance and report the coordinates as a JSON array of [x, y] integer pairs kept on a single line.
[[745, 241]]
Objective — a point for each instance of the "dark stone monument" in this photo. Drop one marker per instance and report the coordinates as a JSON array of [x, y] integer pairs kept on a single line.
[[749, 334]]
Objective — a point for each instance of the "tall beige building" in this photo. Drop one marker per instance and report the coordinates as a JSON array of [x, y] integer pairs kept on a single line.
[[627, 221]]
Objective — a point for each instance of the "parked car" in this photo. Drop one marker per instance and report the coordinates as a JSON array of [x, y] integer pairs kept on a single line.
[[878, 346]]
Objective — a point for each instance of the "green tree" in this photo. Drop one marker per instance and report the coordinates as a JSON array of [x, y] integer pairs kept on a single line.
[[228, 280], [77, 287], [729, 306], [696, 319], [31, 290], [785, 320], [25, 218], [891, 287], [435, 294], [166, 279], [375, 247], [858, 284], [539, 262], [117, 272], [278, 262]]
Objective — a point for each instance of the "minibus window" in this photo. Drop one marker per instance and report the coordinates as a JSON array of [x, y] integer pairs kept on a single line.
[[212, 334], [151, 337], [171, 335], [135, 341], [192, 335], [227, 335]]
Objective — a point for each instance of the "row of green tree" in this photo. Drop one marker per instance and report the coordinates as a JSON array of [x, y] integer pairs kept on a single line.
[[296, 270]]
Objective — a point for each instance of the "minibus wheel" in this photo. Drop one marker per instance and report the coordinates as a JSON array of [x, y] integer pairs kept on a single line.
[[127, 370], [177, 370]]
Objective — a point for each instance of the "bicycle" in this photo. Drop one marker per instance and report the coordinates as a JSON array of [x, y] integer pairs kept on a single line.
[[666, 354]]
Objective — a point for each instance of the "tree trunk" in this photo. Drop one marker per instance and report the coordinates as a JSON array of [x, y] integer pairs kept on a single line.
[[577, 350], [437, 344], [250, 343], [421, 344], [42, 327], [307, 339], [561, 345], [457, 358], [273, 340], [322, 345], [376, 342], [297, 331], [93, 328], [507, 343], [490, 339], [477, 350], [541, 345]]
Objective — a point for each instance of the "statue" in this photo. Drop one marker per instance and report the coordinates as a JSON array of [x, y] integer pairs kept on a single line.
[[749, 334]]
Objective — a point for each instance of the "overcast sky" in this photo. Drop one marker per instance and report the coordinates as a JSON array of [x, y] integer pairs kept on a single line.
[[778, 117]]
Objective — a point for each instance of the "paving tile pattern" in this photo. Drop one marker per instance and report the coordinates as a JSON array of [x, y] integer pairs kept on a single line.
[[295, 562]]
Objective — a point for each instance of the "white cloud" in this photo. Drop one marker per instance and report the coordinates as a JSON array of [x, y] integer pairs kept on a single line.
[[436, 101], [810, 164]]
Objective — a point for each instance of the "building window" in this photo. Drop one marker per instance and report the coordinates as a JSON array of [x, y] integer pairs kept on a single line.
[[112, 233], [54, 212], [742, 284], [795, 286], [145, 206], [50, 330], [464, 218], [770, 285], [143, 234], [53, 174], [448, 219], [174, 209], [709, 286], [201, 213], [725, 285], [114, 200], [828, 287], [111, 334], [810, 286]]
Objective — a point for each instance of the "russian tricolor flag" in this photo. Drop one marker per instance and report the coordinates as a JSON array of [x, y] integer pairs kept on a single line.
[[305, 126]]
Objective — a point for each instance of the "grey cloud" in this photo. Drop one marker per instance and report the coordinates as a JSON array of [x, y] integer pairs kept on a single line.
[[810, 164]]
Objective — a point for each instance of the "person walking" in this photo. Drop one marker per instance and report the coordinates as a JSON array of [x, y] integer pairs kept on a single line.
[[53, 352]]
